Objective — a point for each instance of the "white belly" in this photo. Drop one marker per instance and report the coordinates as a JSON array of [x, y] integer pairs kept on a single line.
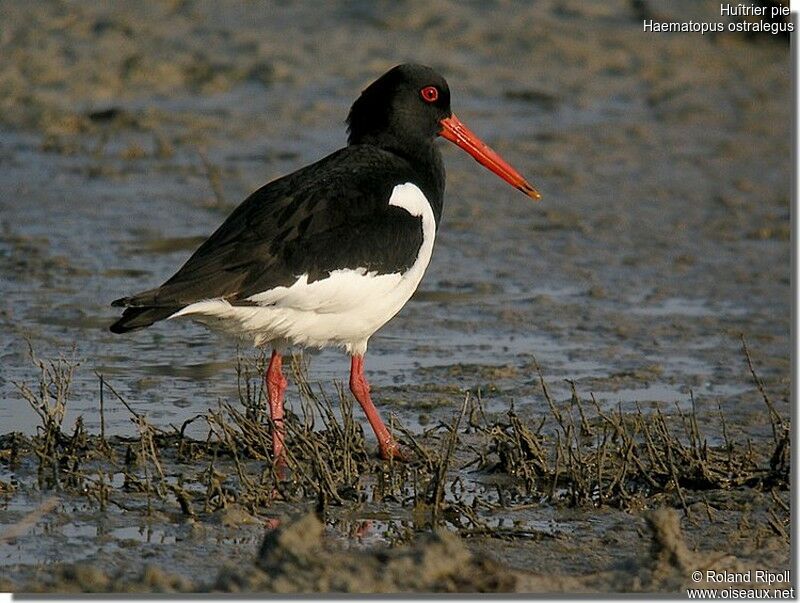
[[344, 309]]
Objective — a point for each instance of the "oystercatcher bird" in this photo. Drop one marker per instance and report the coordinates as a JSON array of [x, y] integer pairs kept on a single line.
[[326, 255]]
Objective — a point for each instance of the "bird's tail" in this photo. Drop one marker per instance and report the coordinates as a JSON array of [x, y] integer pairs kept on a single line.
[[141, 317]]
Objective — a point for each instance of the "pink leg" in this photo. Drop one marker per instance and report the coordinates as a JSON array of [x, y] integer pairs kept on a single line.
[[360, 389], [276, 386]]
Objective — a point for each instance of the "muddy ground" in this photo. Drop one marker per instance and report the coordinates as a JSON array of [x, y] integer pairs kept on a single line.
[[128, 132]]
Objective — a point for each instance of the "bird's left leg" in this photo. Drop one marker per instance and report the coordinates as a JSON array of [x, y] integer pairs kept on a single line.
[[360, 389], [276, 386]]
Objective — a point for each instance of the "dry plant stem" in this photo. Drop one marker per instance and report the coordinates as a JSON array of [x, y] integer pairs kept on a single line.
[[778, 501], [119, 397], [299, 366], [777, 525], [102, 412], [547, 396], [420, 450], [586, 430], [774, 415], [349, 436], [50, 399], [444, 463], [728, 444]]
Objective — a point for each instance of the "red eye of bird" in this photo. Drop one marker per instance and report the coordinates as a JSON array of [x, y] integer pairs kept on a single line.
[[429, 94]]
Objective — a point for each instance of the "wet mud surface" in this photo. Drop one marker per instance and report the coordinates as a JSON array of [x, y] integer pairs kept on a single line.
[[127, 135]]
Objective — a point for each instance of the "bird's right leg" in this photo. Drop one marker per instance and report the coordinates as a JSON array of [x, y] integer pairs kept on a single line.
[[276, 386]]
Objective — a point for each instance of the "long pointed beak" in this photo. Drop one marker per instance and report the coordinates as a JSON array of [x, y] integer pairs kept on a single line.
[[456, 132]]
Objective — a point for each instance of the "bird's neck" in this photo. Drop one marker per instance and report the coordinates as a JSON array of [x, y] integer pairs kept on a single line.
[[426, 161]]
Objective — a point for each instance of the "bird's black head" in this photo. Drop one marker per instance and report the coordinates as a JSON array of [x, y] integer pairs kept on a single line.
[[406, 108], [403, 107]]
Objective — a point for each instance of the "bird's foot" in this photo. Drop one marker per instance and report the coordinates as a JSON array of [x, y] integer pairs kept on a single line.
[[393, 451], [281, 474], [272, 523], [281, 469], [362, 529]]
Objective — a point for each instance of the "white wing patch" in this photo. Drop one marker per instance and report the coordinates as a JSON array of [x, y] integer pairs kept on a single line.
[[411, 199]]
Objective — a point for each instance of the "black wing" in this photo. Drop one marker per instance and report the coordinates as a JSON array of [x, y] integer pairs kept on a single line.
[[332, 214]]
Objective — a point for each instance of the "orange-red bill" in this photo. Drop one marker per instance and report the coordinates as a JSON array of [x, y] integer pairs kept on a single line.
[[456, 132]]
